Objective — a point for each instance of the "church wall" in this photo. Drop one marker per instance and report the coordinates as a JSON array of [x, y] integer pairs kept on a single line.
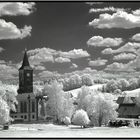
[[26, 113]]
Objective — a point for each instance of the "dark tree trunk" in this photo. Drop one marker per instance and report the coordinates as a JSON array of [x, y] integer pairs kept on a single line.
[[100, 121]]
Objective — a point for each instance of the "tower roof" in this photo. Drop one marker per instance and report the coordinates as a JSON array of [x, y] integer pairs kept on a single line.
[[25, 63]]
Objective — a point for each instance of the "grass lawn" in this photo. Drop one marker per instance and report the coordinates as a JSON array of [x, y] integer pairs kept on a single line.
[[50, 130]]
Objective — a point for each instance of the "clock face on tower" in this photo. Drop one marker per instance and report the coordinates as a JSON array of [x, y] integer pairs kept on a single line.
[[28, 74]]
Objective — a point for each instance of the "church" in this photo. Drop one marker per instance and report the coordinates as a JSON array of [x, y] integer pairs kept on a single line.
[[27, 108]]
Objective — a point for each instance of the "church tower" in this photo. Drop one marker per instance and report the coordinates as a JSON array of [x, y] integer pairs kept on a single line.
[[25, 76], [27, 108]]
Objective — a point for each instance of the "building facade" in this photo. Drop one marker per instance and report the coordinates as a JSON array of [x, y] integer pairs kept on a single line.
[[27, 108], [128, 107]]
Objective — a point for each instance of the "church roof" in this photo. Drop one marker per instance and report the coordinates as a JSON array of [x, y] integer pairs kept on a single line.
[[25, 63], [126, 100], [129, 110]]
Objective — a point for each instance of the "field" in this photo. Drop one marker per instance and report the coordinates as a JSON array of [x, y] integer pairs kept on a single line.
[[50, 130]]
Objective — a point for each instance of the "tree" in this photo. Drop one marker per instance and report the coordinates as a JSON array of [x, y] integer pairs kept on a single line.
[[117, 92], [123, 84], [75, 81], [103, 109], [9, 93], [87, 80], [67, 120], [8, 100], [4, 112], [38, 90], [133, 83], [59, 103], [100, 107], [81, 98], [81, 118], [111, 86]]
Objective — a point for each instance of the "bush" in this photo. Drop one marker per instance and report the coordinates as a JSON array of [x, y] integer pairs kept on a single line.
[[81, 118], [67, 121], [4, 112], [87, 80], [117, 91], [111, 86]]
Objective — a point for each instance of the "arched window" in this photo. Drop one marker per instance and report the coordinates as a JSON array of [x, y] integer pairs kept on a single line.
[[33, 106], [21, 107], [25, 107]]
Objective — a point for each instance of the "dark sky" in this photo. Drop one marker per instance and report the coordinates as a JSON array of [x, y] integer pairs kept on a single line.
[[58, 25], [65, 26]]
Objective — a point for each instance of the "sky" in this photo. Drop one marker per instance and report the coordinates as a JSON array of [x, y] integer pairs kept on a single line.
[[70, 37]]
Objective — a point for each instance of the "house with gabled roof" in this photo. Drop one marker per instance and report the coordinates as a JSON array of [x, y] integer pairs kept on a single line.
[[128, 107]]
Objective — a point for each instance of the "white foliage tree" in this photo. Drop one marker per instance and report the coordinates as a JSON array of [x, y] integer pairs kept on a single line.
[[9, 93], [75, 81], [103, 109], [8, 101], [133, 83], [123, 84], [100, 107], [38, 90], [67, 120], [4, 112], [10, 96], [59, 103], [87, 80], [80, 118], [111, 86], [82, 103]]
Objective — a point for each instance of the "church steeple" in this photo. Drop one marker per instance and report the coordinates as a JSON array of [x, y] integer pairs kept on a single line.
[[25, 63], [25, 76]]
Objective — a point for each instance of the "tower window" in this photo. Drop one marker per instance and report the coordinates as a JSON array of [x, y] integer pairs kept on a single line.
[[25, 107], [33, 106], [21, 107]]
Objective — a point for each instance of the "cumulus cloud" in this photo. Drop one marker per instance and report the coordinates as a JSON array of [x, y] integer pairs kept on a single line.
[[40, 55], [107, 51], [74, 54], [8, 30], [105, 9], [136, 12], [99, 41], [86, 70], [128, 47], [49, 51], [39, 67], [16, 8], [7, 71], [48, 74], [74, 66], [62, 60], [93, 3], [136, 37], [132, 65], [124, 56], [120, 19], [120, 67], [98, 62]]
